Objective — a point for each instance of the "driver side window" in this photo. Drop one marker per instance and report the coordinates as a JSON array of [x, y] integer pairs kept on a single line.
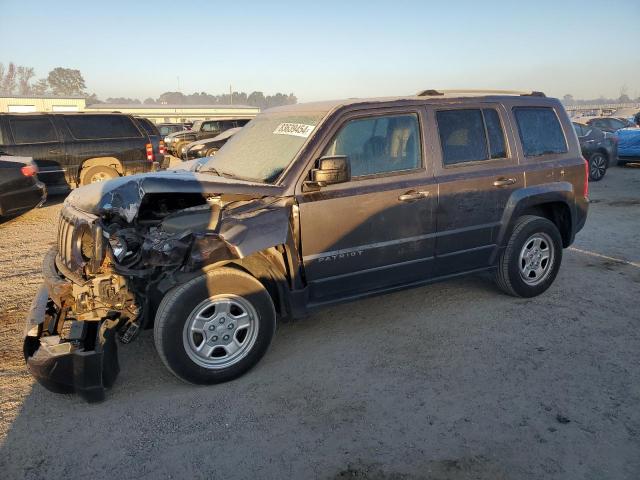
[[379, 144]]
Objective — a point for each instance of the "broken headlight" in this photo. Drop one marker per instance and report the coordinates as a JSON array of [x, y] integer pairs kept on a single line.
[[118, 247]]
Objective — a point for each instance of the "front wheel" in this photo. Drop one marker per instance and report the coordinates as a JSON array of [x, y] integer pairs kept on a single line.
[[597, 166], [215, 327], [530, 262]]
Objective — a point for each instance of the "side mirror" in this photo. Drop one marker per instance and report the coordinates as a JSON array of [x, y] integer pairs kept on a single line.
[[330, 170]]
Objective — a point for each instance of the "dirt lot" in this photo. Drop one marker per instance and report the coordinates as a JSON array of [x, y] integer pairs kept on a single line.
[[451, 381]]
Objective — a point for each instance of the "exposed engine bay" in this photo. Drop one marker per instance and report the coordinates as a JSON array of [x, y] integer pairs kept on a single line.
[[116, 258]]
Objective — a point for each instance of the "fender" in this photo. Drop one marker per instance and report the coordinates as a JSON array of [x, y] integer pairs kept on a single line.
[[528, 197]]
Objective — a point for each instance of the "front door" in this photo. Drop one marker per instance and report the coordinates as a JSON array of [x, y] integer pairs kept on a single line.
[[376, 231], [476, 175]]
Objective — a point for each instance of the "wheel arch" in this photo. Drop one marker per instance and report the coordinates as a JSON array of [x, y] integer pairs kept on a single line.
[[111, 162], [268, 266], [552, 201]]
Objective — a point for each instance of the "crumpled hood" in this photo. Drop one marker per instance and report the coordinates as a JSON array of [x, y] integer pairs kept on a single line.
[[123, 196]]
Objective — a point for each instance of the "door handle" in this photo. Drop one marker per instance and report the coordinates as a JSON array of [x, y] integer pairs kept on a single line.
[[55, 151], [503, 182], [412, 196]]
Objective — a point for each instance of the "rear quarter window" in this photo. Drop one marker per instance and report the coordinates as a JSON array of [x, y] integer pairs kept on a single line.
[[93, 127], [540, 131]]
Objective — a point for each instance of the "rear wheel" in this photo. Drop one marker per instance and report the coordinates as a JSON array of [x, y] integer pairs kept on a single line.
[[530, 262], [211, 152], [597, 166], [96, 174], [215, 327]]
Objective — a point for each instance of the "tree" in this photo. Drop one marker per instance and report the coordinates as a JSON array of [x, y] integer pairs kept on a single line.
[[40, 87], [8, 84], [92, 99], [25, 74], [149, 101], [66, 81]]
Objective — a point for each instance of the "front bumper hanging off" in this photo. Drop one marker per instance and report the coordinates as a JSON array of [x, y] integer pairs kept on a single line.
[[85, 361]]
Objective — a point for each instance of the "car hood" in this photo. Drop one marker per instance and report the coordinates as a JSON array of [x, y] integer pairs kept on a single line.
[[123, 196]]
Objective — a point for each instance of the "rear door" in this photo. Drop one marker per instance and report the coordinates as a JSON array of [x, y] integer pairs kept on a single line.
[[376, 231], [36, 136], [476, 171]]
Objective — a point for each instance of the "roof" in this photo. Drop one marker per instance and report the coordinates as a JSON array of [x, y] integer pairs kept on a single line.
[[47, 97], [438, 97], [167, 106]]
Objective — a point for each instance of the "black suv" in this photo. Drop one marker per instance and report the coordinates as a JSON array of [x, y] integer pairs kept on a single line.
[[73, 149], [306, 206], [201, 129]]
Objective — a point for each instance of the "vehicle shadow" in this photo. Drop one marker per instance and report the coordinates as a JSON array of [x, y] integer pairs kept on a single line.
[[342, 350]]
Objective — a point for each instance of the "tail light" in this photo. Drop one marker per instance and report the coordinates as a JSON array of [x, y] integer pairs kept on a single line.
[[149, 152], [162, 148], [586, 178], [29, 170]]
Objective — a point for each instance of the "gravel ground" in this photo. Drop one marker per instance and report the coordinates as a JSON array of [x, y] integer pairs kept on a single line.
[[450, 381]]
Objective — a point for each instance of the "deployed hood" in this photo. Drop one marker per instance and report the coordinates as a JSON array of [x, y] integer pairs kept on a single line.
[[123, 196]]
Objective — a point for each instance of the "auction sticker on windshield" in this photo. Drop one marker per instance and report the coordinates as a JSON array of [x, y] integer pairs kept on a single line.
[[296, 129]]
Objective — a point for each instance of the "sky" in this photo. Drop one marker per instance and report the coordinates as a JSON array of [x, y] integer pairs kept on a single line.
[[330, 49]]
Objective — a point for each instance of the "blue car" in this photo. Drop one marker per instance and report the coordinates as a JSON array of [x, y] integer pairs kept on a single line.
[[628, 145]]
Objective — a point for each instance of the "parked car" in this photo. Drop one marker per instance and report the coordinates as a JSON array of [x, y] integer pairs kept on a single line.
[[599, 148], [610, 124], [628, 145], [74, 149], [201, 129], [306, 206], [20, 189], [169, 128], [156, 139], [208, 147]]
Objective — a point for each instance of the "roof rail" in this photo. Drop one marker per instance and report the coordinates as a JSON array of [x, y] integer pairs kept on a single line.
[[462, 93]]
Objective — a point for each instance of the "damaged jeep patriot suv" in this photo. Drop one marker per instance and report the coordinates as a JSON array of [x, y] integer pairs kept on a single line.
[[307, 205]]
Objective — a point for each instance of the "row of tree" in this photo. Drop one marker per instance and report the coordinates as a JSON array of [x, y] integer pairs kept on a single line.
[[623, 98], [254, 99], [20, 80]]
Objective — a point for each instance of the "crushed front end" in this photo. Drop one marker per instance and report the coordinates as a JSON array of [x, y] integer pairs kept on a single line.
[[69, 343], [121, 245]]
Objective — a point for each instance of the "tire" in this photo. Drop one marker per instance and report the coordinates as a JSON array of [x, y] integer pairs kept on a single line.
[[515, 266], [211, 152], [96, 174], [178, 149], [597, 166], [202, 313]]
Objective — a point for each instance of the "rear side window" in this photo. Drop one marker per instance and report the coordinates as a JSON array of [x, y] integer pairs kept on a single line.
[[377, 145], [470, 135], [211, 126], [148, 127], [540, 131], [92, 127], [33, 130]]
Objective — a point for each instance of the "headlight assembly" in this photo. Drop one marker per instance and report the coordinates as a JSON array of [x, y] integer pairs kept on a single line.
[[118, 247]]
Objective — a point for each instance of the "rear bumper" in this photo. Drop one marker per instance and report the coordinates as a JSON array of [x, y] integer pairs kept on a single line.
[[82, 360]]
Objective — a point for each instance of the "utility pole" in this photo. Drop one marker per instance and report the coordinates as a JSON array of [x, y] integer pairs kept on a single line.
[[230, 94]]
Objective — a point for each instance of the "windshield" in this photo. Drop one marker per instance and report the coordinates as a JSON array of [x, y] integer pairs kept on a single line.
[[262, 149]]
